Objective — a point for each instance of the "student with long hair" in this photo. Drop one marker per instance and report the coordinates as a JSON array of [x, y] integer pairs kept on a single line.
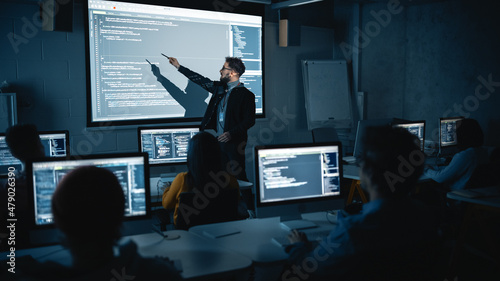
[[472, 153], [205, 177]]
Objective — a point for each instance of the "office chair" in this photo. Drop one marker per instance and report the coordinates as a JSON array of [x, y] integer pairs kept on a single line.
[[224, 207], [487, 174], [326, 134]]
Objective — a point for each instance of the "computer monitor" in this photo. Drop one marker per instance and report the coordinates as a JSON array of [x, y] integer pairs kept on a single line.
[[448, 131], [55, 143], [6, 158], [297, 178], [166, 145], [417, 128], [131, 169]]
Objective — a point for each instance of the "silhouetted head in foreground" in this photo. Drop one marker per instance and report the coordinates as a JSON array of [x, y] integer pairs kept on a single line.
[[88, 207], [24, 142], [391, 162]]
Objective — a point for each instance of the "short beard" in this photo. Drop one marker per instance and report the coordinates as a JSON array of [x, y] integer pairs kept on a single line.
[[224, 80]]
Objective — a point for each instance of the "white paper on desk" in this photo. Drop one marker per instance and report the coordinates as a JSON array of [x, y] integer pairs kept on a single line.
[[220, 232]]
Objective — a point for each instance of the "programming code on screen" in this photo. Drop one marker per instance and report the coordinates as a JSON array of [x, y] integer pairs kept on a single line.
[[47, 175], [6, 158], [297, 174], [166, 145], [54, 144], [122, 36], [448, 133], [417, 129]]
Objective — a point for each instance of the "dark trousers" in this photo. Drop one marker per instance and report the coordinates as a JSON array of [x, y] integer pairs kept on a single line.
[[233, 158]]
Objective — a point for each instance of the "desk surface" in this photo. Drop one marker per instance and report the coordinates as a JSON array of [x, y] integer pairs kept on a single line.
[[253, 237], [351, 171], [488, 196], [198, 257]]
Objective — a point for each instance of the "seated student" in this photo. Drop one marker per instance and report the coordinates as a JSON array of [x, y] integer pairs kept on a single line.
[[392, 238], [204, 170], [471, 154], [24, 144], [88, 207]]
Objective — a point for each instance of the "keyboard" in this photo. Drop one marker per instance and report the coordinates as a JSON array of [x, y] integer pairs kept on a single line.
[[283, 241]]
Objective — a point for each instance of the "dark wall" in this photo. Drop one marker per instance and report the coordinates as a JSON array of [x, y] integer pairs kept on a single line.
[[427, 61]]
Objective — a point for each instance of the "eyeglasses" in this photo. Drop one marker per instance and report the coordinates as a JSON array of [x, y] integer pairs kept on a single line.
[[225, 68]]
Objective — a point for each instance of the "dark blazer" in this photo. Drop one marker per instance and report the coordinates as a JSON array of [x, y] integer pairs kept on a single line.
[[240, 112]]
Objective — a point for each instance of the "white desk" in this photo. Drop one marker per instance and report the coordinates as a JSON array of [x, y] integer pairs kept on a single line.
[[199, 257], [254, 239], [488, 196]]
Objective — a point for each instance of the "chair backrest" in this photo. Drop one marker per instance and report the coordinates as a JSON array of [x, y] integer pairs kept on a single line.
[[198, 209], [326, 134], [484, 176], [487, 174]]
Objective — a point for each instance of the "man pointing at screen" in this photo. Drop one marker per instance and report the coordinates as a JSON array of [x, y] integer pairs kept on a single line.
[[230, 112]]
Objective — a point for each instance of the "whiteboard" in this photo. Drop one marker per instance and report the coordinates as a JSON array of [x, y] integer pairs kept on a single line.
[[327, 94]]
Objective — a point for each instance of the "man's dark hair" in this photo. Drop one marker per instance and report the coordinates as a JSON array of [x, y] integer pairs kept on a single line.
[[24, 142], [88, 206], [203, 157], [392, 159], [236, 64], [469, 134]]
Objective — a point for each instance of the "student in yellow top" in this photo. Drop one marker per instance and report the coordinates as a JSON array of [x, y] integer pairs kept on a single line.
[[205, 177]]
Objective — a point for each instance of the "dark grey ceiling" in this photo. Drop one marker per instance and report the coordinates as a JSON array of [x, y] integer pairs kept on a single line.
[[319, 14]]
